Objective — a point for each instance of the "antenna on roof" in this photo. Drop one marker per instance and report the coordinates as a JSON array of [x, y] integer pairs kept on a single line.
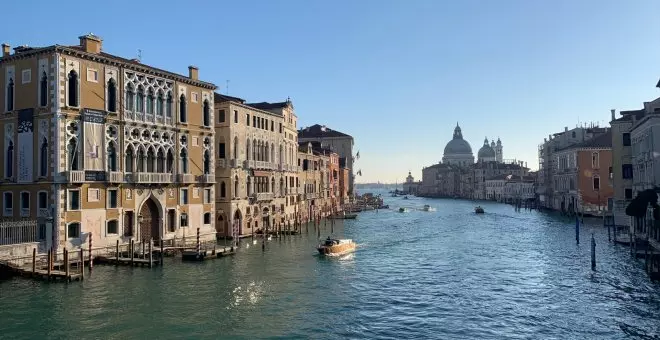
[[139, 55], [227, 88]]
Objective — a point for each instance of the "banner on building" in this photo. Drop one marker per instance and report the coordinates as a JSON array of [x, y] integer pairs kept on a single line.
[[25, 153], [93, 134]]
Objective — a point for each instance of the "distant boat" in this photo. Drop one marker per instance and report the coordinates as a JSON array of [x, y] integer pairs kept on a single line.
[[343, 216], [403, 210], [478, 210], [405, 197], [428, 208]]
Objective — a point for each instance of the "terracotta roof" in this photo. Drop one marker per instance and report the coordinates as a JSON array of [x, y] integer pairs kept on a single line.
[[317, 131], [602, 141], [626, 116], [219, 98], [268, 106]]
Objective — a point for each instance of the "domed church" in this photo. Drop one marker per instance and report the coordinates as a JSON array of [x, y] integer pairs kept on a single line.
[[458, 150]]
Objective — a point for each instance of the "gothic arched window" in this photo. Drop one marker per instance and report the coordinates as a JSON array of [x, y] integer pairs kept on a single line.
[[139, 103], [207, 114], [130, 98], [73, 88], [182, 109], [112, 157], [9, 161], [43, 88], [112, 95], [43, 158]]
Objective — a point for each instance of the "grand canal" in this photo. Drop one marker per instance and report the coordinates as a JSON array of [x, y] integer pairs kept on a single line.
[[448, 274]]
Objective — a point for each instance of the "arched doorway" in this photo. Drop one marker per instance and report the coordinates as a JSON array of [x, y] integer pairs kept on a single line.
[[237, 223], [149, 219], [221, 225], [266, 220]]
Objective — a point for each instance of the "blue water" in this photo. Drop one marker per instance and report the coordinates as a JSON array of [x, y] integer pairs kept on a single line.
[[448, 274]]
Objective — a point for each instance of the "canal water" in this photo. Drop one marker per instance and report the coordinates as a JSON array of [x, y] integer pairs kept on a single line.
[[448, 274]]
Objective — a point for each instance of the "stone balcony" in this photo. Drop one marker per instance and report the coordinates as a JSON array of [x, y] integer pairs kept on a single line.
[[76, 176], [234, 163], [249, 164], [264, 196], [185, 178], [114, 176], [43, 212], [206, 178], [148, 177], [311, 195]]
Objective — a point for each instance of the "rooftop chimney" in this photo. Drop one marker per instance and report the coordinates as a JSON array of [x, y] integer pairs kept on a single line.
[[90, 43], [613, 112], [193, 72], [5, 50]]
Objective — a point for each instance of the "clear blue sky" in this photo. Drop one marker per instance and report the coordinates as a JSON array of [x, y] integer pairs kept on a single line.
[[396, 75]]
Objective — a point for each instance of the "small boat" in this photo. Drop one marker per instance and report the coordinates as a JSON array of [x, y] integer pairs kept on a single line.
[[384, 206], [336, 247], [343, 216], [478, 210], [428, 208], [403, 210], [405, 197]]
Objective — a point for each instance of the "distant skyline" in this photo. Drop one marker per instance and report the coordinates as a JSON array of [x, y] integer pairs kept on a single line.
[[396, 75]]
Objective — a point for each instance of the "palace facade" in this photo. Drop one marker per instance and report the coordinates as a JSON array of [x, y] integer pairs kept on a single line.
[[95, 145]]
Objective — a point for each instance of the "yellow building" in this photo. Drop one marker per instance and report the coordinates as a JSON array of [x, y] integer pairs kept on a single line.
[[95, 144], [314, 176], [256, 175]]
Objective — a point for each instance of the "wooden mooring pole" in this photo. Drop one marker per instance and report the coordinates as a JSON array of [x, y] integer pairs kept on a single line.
[[162, 253], [151, 253], [132, 250], [66, 263], [91, 257], [593, 252], [50, 262], [82, 263], [117, 252], [34, 260]]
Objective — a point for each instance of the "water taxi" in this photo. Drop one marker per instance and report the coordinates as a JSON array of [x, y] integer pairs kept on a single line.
[[336, 247], [478, 210], [428, 208]]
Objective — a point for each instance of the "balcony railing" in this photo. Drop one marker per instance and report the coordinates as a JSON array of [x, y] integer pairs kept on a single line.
[[207, 178], [114, 176], [25, 212], [43, 212], [264, 196], [76, 176], [221, 163], [261, 165], [148, 177], [311, 195], [185, 178]]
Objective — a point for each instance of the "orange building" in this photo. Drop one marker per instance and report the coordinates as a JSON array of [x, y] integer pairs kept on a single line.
[[583, 175]]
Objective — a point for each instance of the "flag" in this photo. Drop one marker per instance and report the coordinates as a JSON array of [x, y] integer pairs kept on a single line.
[[357, 155]]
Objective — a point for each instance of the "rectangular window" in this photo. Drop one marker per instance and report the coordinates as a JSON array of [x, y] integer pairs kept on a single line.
[[272, 125], [254, 121], [112, 198], [183, 220], [74, 199], [25, 204], [8, 205], [628, 194], [92, 75], [221, 151], [93, 195], [236, 116], [128, 223], [596, 183], [112, 227], [595, 160], [627, 171], [26, 76], [73, 230], [626, 139], [207, 218], [207, 196], [184, 196], [221, 116], [247, 119], [42, 200], [280, 127]]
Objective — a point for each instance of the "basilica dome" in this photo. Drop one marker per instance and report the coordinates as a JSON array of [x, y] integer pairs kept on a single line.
[[458, 145], [486, 151]]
